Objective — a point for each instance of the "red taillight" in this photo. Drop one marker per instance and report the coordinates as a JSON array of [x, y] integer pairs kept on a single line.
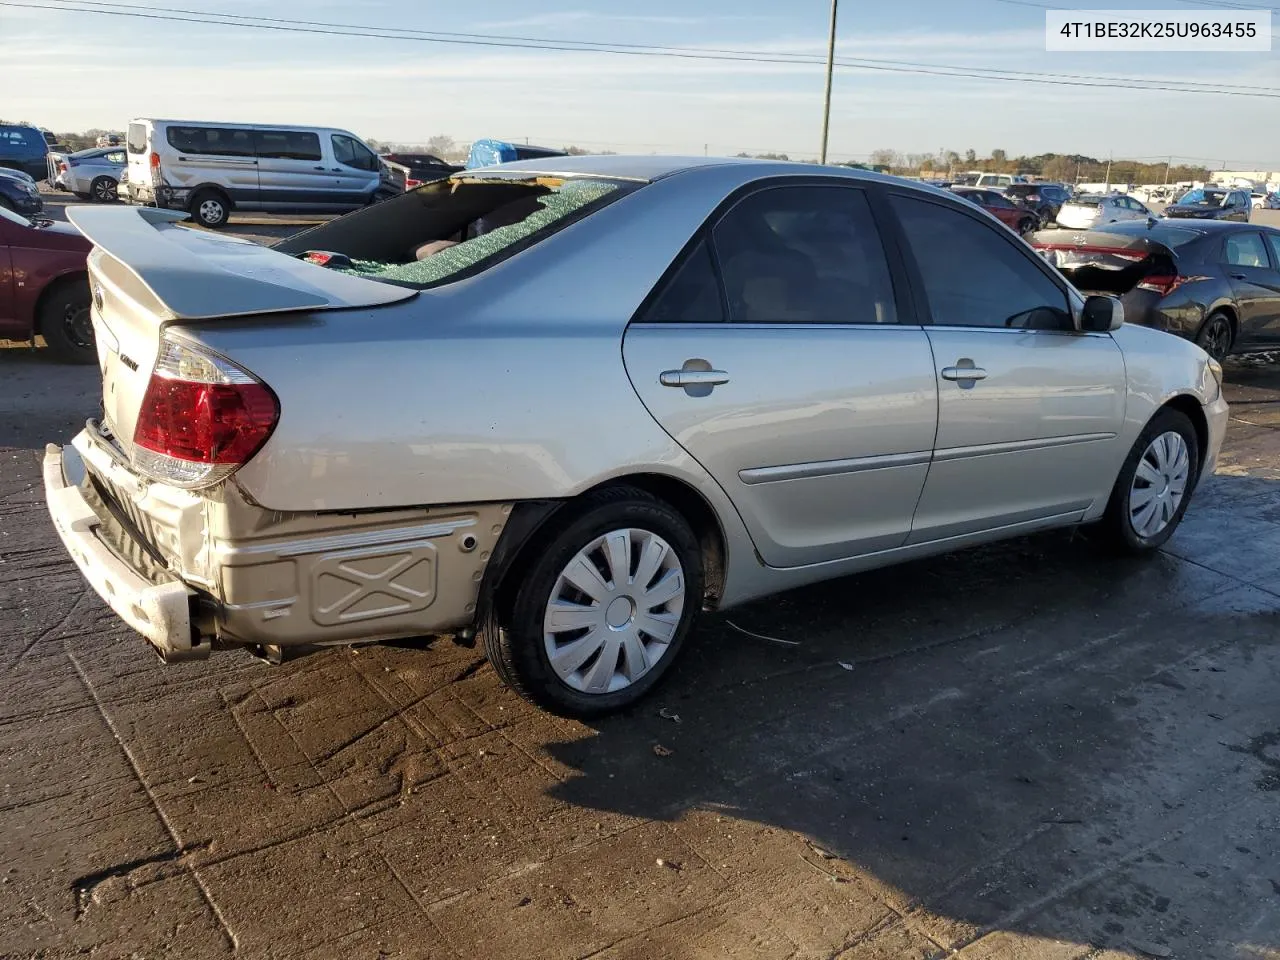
[[155, 161], [62, 167], [201, 418], [1161, 283], [410, 183]]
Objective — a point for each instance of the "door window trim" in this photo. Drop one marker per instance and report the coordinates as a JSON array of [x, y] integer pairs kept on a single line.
[[908, 259], [906, 312]]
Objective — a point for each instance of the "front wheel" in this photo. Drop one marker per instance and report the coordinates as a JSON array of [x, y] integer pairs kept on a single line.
[[1025, 227], [602, 610], [1155, 484]]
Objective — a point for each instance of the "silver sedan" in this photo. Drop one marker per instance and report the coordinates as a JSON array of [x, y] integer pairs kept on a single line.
[[563, 406], [92, 174]]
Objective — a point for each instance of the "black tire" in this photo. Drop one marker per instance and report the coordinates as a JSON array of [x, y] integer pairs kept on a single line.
[[1117, 522], [65, 324], [210, 208], [1026, 226], [1216, 335], [103, 190], [512, 629]]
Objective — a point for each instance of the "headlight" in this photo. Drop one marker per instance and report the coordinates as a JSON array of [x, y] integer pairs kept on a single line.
[[1215, 368]]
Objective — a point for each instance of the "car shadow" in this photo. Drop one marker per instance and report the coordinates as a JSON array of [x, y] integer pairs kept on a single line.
[[1034, 737]]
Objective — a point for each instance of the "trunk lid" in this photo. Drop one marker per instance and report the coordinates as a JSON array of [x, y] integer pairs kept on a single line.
[[1099, 262], [146, 272]]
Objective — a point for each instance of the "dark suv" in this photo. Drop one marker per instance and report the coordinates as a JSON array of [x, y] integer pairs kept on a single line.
[[1212, 203], [1044, 199], [25, 149]]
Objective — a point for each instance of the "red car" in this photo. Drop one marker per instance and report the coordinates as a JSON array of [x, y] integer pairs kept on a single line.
[[1018, 219], [44, 286]]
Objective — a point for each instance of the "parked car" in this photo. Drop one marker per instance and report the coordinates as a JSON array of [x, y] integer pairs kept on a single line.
[[211, 169], [1214, 282], [1042, 199], [19, 194], [420, 167], [997, 180], [44, 287], [1212, 203], [1265, 201], [23, 148], [309, 478], [92, 174], [1089, 210], [1016, 218]]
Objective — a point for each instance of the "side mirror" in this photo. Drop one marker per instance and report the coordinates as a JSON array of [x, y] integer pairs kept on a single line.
[[1101, 315]]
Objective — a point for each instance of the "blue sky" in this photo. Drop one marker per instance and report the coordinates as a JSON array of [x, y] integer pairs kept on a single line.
[[72, 70]]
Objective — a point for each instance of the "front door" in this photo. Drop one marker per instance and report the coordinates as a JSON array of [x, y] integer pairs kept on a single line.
[[354, 169], [1029, 410], [8, 313], [1255, 282], [774, 355]]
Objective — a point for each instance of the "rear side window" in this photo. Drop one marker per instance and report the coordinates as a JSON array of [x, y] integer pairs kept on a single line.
[[691, 294], [211, 141], [16, 138], [804, 255], [973, 275], [136, 138], [1273, 239], [1245, 250], [287, 144]]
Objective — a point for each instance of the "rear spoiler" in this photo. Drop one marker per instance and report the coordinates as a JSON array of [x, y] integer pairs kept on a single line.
[[194, 275]]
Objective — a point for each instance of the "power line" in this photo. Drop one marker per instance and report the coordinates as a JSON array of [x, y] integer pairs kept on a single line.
[[182, 15]]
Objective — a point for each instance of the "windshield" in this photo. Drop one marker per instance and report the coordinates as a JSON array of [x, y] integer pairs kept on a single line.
[[1204, 198], [1086, 201], [437, 232], [137, 138], [7, 214]]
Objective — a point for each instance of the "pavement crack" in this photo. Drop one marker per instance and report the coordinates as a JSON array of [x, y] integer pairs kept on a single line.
[[86, 887]]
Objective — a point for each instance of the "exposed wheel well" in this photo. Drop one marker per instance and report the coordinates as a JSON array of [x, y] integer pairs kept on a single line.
[[1190, 406], [50, 290], [679, 496]]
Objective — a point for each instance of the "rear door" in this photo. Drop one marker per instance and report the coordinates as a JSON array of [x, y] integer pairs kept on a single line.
[[1255, 282], [1028, 408], [197, 155], [292, 173], [778, 355]]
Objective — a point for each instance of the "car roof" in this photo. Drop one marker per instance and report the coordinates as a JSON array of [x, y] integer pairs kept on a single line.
[[622, 167]]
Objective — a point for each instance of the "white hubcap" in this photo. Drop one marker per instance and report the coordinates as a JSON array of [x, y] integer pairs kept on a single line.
[[211, 210], [614, 611], [1159, 484]]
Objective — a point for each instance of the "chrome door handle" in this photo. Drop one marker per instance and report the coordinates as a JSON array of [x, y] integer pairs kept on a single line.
[[693, 378], [963, 373]]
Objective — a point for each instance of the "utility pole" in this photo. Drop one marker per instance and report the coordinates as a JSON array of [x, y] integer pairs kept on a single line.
[[1166, 171], [1106, 188], [826, 100]]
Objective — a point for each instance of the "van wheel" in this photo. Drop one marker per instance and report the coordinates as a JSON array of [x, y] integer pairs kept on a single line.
[[103, 190], [209, 208], [601, 612], [65, 323]]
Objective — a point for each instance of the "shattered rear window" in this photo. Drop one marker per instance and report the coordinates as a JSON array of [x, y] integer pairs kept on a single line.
[[551, 208]]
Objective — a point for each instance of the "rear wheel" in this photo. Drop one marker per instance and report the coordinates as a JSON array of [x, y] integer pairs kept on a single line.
[[1026, 226], [103, 190], [65, 323], [1155, 484], [209, 208], [1216, 336], [601, 612]]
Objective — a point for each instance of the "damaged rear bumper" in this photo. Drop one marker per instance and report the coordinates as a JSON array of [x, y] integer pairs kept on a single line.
[[158, 607], [193, 572]]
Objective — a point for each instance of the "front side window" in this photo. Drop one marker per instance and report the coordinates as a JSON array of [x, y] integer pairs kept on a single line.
[[804, 255], [1245, 250], [287, 145], [211, 141], [352, 153], [974, 276]]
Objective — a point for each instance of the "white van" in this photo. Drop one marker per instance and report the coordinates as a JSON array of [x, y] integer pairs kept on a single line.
[[999, 180], [211, 169]]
